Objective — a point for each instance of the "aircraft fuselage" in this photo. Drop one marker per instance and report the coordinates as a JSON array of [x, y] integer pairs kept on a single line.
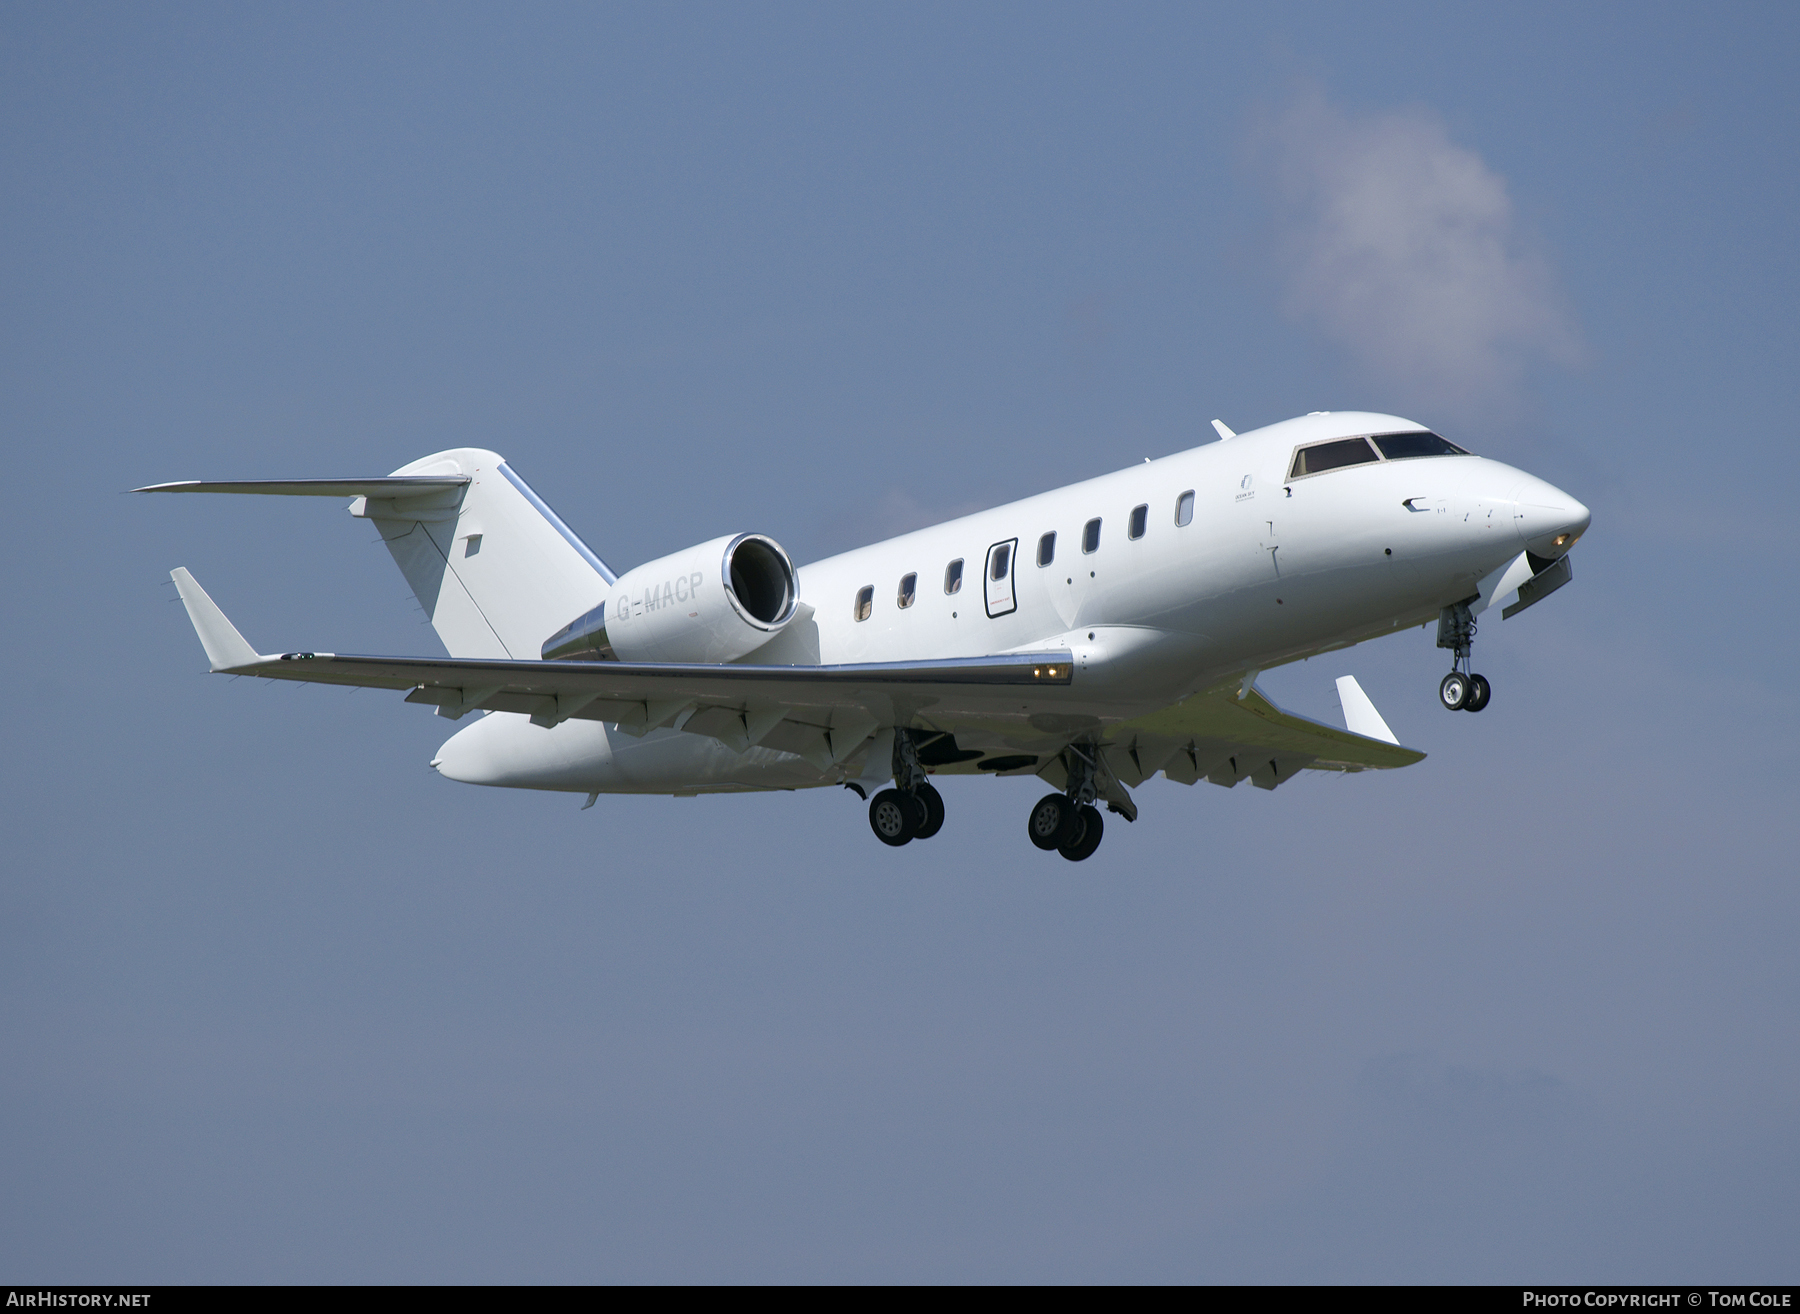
[[1202, 566]]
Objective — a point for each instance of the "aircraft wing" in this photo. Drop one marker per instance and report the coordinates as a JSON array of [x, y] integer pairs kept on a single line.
[[822, 713], [825, 713], [1231, 734]]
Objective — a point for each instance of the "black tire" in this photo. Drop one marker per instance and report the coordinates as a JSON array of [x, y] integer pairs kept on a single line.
[[934, 811], [1453, 691], [1479, 693], [1052, 823], [1082, 846], [893, 817]]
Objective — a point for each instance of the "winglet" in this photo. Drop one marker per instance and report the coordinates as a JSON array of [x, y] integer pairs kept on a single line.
[[1224, 433], [225, 648], [1360, 716]]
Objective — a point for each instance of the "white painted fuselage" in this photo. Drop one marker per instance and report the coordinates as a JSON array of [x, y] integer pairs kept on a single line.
[[1267, 569]]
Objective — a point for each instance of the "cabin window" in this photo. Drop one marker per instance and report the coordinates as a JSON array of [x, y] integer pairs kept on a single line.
[[909, 586], [953, 576], [1140, 519], [865, 601], [1090, 536], [1184, 508], [1047, 548], [1405, 446], [1321, 457], [1002, 562]]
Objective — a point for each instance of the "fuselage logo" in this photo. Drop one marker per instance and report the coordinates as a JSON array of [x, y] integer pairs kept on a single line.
[[1245, 491]]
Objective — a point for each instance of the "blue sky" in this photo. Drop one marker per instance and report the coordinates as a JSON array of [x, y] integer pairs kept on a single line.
[[279, 1004]]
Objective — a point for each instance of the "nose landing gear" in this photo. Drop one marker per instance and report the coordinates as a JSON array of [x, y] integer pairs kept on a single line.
[[1460, 691], [1464, 693]]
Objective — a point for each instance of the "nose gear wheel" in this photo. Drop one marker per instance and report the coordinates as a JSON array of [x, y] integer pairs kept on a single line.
[[1461, 690], [1453, 691], [1479, 693]]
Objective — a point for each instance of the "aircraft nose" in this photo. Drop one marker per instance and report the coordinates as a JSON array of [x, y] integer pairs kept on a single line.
[[1549, 520]]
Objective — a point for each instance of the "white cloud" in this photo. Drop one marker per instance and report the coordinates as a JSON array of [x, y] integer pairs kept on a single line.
[[1403, 248]]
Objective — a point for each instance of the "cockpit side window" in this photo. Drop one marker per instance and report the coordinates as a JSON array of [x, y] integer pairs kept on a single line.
[[1335, 455], [1404, 446]]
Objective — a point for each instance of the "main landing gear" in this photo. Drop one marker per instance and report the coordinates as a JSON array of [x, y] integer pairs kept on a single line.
[[1072, 829], [913, 811], [1069, 823], [1460, 691], [898, 817]]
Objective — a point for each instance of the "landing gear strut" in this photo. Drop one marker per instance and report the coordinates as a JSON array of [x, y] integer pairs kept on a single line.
[[1069, 823], [914, 810], [1460, 691]]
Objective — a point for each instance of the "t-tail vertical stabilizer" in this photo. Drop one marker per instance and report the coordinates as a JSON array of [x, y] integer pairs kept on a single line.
[[495, 569]]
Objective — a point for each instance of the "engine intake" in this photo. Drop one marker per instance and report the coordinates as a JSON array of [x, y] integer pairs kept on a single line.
[[712, 603]]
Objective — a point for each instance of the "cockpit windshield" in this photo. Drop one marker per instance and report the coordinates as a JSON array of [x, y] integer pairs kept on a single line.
[[1341, 452], [1321, 457], [1403, 446]]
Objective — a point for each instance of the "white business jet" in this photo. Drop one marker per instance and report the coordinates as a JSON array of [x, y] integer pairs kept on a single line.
[[1092, 636]]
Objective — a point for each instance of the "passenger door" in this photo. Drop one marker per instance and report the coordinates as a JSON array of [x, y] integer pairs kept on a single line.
[[1002, 564]]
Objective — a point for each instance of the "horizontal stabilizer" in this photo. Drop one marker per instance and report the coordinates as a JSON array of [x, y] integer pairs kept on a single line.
[[226, 649], [1360, 716], [392, 486]]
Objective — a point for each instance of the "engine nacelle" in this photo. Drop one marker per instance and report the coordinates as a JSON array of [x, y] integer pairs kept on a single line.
[[710, 603]]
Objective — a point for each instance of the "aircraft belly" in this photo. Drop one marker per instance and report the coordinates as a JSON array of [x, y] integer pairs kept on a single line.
[[505, 749], [674, 762]]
